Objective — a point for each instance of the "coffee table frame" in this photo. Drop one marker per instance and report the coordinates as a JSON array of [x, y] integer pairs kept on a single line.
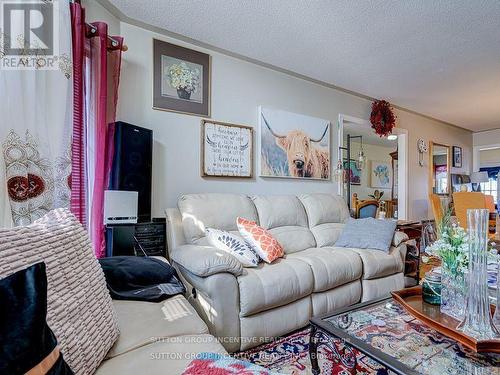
[[325, 333]]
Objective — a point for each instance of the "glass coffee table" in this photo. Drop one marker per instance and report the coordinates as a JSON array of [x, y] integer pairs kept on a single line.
[[383, 331]]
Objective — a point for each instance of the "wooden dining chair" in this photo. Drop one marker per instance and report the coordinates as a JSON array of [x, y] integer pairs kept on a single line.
[[464, 201], [364, 208], [490, 203], [437, 207]]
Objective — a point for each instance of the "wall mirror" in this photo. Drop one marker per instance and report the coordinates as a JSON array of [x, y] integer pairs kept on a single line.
[[440, 164], [384, 169]]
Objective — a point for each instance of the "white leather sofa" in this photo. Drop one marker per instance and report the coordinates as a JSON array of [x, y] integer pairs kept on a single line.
[[244, 307], [157, 338]]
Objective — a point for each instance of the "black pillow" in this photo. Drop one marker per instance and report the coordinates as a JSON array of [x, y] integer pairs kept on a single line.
[[25, 338], [140, 278]]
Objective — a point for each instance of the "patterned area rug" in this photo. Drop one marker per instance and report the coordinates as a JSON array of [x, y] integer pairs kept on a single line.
[[290, 355]]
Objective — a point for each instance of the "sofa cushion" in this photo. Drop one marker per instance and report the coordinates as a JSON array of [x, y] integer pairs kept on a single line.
[[260, 240], [167, 356], [324, 208], [327, 234], [273, 285], [142, 322], [263, 327], [79, 308], [219, 211], [337, 298], [368, 233], [381, 287], [376, 263], [285, 218], [234, 245], [331, 267], [326, 215], [205, 260]]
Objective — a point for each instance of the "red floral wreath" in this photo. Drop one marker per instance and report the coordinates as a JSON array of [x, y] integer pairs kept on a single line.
[[382, 118]]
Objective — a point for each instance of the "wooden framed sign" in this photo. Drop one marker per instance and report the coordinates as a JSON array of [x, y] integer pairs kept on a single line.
[[226, 150]]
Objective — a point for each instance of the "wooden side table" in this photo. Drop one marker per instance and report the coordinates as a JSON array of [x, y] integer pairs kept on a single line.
[[413, 229]]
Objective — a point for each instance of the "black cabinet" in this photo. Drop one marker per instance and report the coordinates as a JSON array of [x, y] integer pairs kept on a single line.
[[136, 239]]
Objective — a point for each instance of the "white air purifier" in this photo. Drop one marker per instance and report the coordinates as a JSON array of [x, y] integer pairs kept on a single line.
[[120, 207]]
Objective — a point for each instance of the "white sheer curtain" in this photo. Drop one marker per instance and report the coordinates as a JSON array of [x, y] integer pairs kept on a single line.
[[35, 136]]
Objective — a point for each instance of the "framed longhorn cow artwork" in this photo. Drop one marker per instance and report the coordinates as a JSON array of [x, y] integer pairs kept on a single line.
[[293, 145], [226, 149]]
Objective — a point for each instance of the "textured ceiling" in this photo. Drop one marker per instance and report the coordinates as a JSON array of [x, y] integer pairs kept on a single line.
[[438, 58]]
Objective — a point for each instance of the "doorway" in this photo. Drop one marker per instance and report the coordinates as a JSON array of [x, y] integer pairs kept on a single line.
[[383, 174]]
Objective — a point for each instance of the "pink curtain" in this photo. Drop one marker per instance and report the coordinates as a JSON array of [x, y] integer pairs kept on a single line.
[[77, 180], [92, 133]]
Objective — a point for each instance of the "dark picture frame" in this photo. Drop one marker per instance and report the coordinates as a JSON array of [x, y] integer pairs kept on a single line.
[[457, 157], [172, 91]]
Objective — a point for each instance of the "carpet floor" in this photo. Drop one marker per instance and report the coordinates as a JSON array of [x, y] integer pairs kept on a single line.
[[290, 355]]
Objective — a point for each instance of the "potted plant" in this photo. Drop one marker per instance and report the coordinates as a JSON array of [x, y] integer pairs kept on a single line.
[[184, 79]]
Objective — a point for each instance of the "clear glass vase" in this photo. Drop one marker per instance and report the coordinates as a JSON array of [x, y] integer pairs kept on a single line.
[[496, 317], [453, 293], [477, 321]]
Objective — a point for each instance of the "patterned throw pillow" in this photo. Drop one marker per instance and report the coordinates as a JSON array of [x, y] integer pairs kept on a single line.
[[261, 241], [233, 245], [79, 309]]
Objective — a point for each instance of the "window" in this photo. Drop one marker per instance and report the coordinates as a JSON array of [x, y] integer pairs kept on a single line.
[[490, 188]]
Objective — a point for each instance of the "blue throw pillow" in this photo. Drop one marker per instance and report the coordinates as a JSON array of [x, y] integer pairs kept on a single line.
[[368, 233]]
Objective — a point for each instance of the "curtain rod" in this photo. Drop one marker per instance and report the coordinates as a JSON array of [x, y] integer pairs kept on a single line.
[[93, 30], [114, 43]]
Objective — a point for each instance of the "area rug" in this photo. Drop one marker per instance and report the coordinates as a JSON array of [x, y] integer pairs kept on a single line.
[[290, 355], [223, 364]]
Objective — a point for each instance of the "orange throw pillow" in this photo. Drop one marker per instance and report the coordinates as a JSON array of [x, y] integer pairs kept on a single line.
[[261, 241]]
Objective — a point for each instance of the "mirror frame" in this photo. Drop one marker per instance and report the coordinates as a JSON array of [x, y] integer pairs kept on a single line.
[[431, 167]]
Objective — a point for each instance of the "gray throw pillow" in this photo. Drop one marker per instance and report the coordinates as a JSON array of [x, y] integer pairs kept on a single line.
[[367, 233]]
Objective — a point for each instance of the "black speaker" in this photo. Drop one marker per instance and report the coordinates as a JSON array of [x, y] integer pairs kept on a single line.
[[132, 162]]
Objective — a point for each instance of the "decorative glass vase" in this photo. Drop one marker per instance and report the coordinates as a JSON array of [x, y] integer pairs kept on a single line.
[[477, 321], [496, 317], [453, 293]]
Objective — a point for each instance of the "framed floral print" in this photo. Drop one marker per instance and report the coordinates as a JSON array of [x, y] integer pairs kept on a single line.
[[181, 79], [381, 174]]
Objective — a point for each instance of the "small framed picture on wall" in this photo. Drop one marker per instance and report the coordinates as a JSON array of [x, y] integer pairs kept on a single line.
[[226, 150], [355, 172], [181, 79], [381, 174], [457, 157]]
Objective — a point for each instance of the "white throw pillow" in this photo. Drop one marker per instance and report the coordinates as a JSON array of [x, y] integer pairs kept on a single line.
[[234, 245]]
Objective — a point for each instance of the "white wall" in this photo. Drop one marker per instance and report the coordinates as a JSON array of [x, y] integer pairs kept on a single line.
[[238, 88], [96, 12]]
